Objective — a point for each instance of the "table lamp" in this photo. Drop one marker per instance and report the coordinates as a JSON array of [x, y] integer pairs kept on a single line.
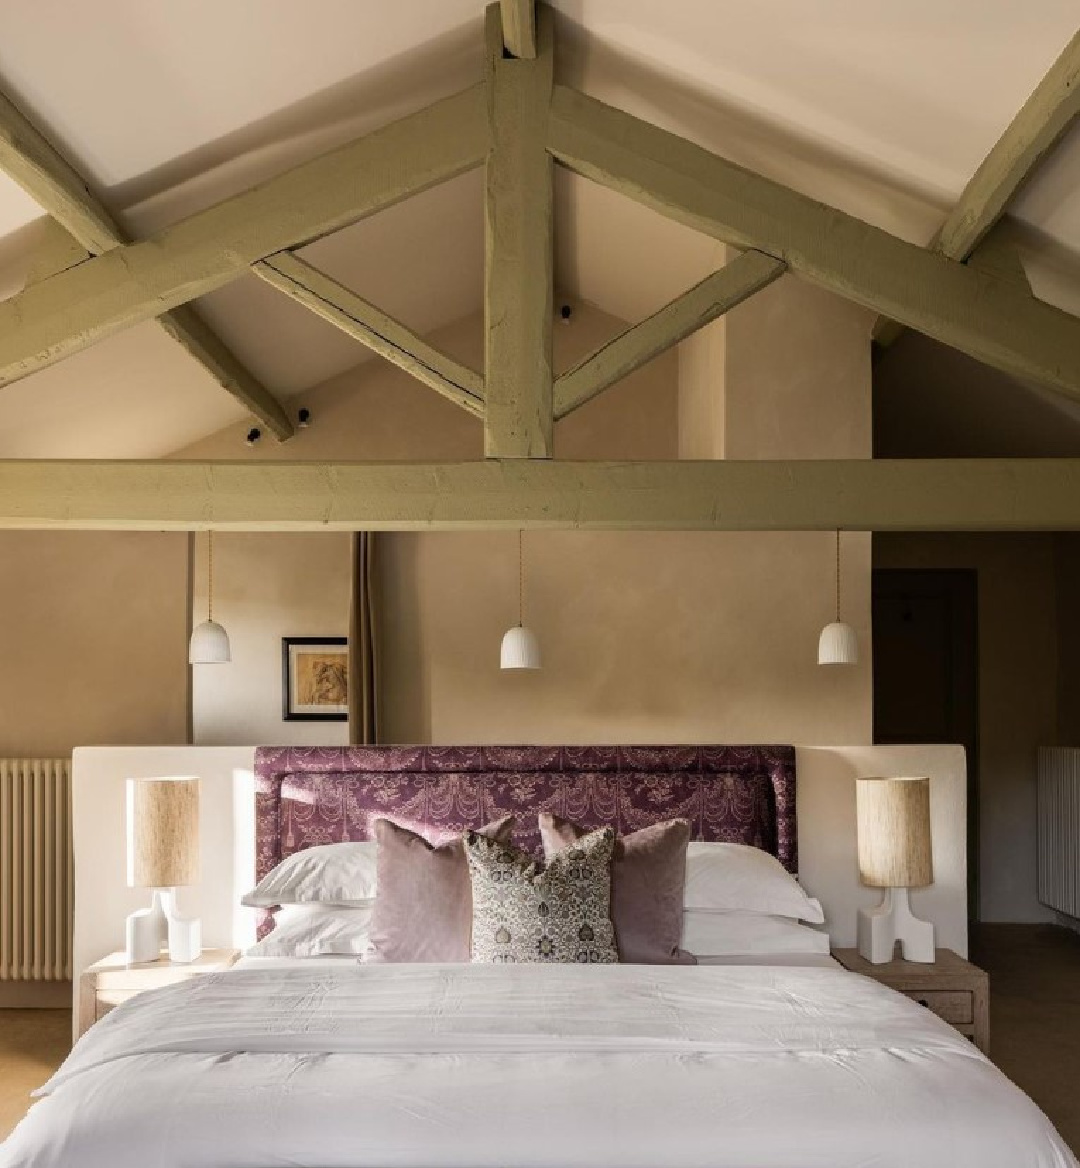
[[894, 854], [163, 854]]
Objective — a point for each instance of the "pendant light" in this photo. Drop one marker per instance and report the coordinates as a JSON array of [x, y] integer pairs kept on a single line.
[[209, 641], [839, 644], [520, 648]]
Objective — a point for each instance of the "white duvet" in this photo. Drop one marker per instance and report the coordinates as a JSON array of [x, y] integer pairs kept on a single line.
[[477, 1066]]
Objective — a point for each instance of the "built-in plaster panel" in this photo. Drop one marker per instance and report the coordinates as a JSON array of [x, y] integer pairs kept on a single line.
[[826, 810]]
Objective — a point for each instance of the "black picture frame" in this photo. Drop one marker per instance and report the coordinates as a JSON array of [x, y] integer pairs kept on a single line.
[[292, 652]]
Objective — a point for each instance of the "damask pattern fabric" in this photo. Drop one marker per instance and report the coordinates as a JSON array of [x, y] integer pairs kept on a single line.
[[523, 913], [310, 795], [648, 873]]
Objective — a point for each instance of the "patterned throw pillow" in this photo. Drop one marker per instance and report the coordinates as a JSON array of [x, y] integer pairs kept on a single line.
[[648, 874], [525, 913]]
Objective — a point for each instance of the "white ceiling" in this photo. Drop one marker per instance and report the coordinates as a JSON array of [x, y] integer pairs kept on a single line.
[[881, 109]]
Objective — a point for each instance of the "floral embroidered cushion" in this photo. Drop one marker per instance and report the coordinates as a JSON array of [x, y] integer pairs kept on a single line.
[[648, 874], [558, 913]]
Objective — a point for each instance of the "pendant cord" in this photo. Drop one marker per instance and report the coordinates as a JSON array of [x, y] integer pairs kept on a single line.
[[521, 578], [210, 575], [837, 575]]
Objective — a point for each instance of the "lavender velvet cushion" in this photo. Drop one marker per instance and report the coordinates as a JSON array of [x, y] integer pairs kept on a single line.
[[423, 898], [648, 873]]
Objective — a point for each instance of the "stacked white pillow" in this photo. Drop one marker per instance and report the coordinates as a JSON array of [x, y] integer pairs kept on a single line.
[[738, 901], [741, 902], [326, 895]]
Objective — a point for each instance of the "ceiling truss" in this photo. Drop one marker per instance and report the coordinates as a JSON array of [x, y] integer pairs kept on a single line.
[[1032, 134], [517, 124], [49, 179], [717, 294], [372, 327]]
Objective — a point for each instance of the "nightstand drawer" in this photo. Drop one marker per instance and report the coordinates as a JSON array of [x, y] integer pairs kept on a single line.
[[954, 1006], [954, 989]]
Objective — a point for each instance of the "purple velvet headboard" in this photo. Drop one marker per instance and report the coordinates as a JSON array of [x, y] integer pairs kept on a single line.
[[316, 795]]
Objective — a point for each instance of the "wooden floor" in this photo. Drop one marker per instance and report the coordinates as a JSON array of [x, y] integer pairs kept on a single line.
[[1035, 1014], [1034, 1025], [33, 1043]]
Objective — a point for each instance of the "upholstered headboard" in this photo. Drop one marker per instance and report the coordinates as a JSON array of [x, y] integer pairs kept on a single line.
[[316, 795]]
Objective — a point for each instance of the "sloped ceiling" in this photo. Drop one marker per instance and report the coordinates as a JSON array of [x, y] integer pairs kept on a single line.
[[883, 110]]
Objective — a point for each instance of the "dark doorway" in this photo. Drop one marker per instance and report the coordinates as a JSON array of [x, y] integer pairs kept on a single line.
[[926, 671]]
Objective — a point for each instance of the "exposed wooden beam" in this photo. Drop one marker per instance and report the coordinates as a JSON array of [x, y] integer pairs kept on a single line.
[[1029, 137], [113, 291], [518, 248], [43, 172], [712, 297], [48, 178], [519, 27], [57, 251], [962, 307], [878, 495], [997, 253], [196, 337], [375, 329]]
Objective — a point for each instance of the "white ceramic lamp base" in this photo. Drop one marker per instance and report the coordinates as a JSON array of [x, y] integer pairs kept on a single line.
[[150, 929], [880, 928], [145, 932], [185, 938]]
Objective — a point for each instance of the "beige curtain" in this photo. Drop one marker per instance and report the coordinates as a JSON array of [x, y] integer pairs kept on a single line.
[[363, 661]]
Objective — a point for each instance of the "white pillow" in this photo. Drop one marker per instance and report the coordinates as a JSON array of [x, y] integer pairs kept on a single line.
[[341, 874], [729, 934], [316, 930], [737, 878]]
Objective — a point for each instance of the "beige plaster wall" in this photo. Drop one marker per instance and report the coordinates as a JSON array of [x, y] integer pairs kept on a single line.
[[94, 630], [797, 376], [701, 392], [1018, 693], [649, 636]]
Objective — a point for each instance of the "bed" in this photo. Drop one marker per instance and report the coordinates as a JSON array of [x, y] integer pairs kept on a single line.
[[334, 1064]]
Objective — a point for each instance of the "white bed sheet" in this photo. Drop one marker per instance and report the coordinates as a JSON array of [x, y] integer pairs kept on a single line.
[[806, 960], [555, 1066], [329, 960], [325, 961]]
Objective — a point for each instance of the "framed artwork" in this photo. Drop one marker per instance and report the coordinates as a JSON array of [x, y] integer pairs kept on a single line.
[[314, 679]]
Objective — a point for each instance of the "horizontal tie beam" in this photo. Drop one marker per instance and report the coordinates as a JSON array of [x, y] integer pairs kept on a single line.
[[863, 495]]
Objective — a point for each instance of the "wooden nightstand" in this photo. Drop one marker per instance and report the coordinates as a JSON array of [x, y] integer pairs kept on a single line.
[[112, 980], [953, 988]]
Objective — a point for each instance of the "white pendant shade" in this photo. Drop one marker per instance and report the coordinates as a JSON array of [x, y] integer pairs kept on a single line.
[[839, 645], [209, 645], [520, 649]]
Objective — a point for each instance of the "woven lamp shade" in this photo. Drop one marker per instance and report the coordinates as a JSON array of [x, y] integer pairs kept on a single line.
[[166, 832], [894, 832]]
